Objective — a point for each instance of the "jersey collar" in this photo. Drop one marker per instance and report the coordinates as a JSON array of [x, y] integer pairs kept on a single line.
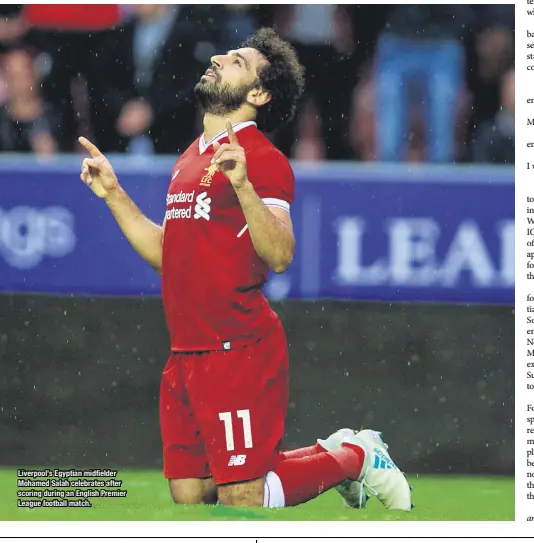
[[202, 145]]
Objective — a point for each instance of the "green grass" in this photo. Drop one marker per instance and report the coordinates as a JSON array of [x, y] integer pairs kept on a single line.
[[444, 498]]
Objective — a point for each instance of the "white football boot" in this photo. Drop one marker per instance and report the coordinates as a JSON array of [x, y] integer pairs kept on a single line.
[[352, 492], [380, 476]]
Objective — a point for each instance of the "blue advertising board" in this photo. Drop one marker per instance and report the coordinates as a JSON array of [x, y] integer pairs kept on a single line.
[[390, 233]]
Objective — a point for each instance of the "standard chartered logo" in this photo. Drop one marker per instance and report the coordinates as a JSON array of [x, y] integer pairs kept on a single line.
[[203, 208], [28, 234]]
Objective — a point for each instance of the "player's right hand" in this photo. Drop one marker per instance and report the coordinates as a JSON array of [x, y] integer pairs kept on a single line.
[[97, 172]]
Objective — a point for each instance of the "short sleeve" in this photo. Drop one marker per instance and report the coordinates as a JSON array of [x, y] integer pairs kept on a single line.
[[272, 177]]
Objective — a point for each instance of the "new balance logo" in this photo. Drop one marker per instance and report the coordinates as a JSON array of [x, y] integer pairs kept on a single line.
[[202, 208], [382, 461], [237, 460], [175, 174]]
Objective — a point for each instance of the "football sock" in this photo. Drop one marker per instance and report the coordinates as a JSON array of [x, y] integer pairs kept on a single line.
[[301, 453], [298, 480]]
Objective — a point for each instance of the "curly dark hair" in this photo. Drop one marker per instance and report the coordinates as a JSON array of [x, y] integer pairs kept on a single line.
[[282, 78]]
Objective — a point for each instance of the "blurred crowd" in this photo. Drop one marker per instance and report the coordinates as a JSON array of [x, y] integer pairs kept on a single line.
[[384, 82]]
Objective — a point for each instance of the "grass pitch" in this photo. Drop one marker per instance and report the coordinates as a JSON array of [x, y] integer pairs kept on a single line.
[[437, 498]]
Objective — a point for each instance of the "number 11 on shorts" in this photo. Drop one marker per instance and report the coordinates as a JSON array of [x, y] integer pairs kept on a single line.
[[244, 415]]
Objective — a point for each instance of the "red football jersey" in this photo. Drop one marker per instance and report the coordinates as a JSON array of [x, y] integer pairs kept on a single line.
[[212, 278]]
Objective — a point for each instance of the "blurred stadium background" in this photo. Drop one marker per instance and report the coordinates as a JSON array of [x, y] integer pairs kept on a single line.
[[399, 304]]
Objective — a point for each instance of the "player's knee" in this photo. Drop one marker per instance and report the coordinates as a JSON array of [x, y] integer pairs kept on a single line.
[[186, 497], [185, 492], [248, 493]]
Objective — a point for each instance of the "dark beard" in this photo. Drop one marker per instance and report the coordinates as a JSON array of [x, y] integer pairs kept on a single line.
[[220, 99]]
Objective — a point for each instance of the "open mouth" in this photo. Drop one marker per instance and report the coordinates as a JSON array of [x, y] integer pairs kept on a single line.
[[210, 73]]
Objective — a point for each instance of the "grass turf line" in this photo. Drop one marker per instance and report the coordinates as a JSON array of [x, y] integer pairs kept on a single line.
[[437, 498]]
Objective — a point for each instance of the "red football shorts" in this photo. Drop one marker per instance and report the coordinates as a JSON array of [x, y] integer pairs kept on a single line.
[[222, 412]]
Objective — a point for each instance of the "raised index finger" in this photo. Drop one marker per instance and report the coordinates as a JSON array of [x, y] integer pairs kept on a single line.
[[93, 150], [231, 134]]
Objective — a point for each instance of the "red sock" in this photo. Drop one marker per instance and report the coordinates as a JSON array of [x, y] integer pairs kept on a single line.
[[351, 459], [301, 453], [305, 478]]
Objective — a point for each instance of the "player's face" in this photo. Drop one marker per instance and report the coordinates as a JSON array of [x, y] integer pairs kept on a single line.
[[226, 84]]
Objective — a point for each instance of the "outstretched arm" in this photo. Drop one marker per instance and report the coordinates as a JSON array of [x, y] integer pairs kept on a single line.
[[145, 236]]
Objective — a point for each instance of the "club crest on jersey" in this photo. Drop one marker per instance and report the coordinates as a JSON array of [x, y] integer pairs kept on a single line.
[[206, 180]]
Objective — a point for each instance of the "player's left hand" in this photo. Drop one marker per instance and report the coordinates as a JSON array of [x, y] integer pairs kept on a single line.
[[230, 159]]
